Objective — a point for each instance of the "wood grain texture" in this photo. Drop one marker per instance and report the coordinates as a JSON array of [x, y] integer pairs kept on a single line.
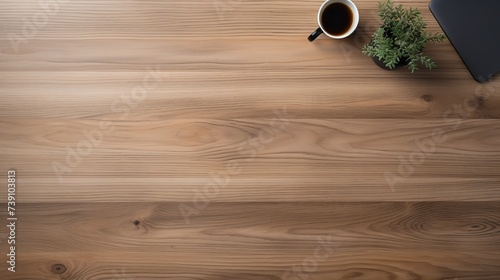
[[311, 160], [368, 240], [209, 140]]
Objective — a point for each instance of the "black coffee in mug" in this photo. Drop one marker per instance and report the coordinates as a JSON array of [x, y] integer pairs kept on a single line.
[[337, 19]]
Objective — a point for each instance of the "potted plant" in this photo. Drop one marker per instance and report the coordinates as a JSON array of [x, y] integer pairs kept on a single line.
[[401, 38]]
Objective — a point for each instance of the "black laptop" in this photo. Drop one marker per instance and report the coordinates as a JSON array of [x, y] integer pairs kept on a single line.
[[473, 28]]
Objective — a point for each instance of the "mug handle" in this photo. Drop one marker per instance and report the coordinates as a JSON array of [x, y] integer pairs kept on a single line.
[[315, 34]]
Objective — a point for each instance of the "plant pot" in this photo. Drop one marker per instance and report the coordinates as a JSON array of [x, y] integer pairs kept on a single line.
[[381, 63]]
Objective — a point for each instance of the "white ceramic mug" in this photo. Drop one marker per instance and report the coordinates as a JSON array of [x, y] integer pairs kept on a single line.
[[322, 29]]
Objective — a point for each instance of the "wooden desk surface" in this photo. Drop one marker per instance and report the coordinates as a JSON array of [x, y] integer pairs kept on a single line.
[[210, 140]]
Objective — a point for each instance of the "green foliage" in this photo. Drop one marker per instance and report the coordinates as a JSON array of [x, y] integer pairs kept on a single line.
[[402, 36]]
